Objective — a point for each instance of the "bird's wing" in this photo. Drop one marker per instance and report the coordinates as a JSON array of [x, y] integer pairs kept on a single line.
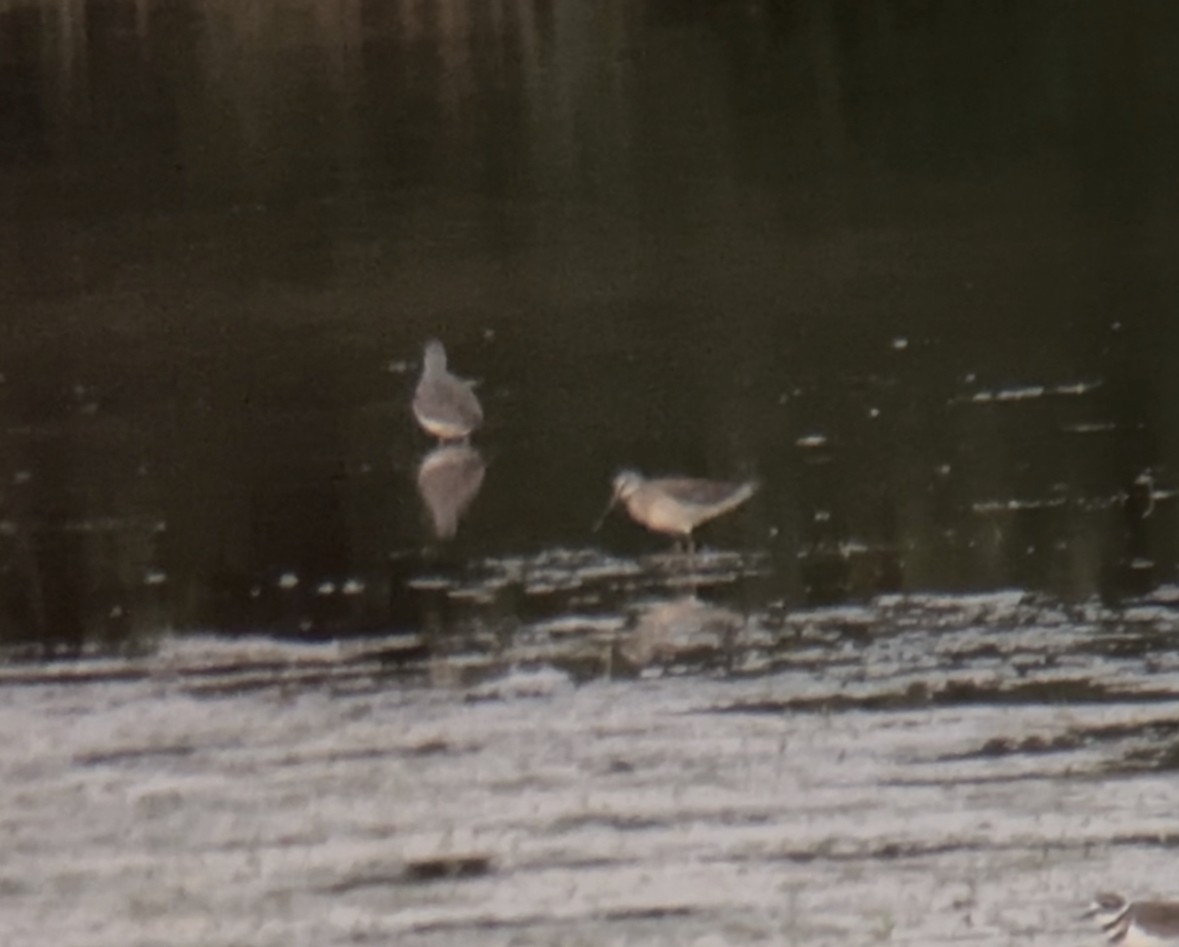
[[696, 492]]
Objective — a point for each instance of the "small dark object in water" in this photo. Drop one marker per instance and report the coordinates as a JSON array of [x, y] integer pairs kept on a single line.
[[443, 867]]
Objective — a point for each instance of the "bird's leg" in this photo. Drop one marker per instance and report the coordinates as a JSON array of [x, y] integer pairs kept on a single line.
[[690, 546]]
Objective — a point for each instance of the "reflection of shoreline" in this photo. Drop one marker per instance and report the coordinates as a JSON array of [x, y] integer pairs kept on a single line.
[[449, 479]]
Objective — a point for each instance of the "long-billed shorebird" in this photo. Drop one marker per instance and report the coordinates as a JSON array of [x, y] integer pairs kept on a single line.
[[676, 505], [1135, 923], [444, 404]]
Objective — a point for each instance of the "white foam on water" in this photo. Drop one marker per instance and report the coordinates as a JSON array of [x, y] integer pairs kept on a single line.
[[139, 809], [565, 625]]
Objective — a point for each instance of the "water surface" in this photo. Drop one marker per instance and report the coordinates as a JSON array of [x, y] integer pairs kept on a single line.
[[910, 266]]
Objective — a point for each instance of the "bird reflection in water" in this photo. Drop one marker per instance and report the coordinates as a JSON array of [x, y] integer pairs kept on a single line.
[[682, 629], [449, 479]]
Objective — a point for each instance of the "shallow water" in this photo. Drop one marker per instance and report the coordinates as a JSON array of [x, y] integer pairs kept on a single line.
[[273, 669], [924, 301], [919, 771]]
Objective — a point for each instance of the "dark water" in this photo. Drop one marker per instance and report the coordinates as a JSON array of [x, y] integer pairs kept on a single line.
[[911, 265]]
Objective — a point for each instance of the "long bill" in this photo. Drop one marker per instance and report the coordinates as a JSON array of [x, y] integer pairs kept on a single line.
[[605, 513]]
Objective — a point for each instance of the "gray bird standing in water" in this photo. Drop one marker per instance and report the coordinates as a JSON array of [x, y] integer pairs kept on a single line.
[[444, 404], [677, 505]]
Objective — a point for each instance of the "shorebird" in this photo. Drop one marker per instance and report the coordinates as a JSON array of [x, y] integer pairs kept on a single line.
[[444, 404], [1135, 923], [676, 505]]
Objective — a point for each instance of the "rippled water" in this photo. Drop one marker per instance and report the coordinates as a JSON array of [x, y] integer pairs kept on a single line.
[[912, 770], [275, 669]]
